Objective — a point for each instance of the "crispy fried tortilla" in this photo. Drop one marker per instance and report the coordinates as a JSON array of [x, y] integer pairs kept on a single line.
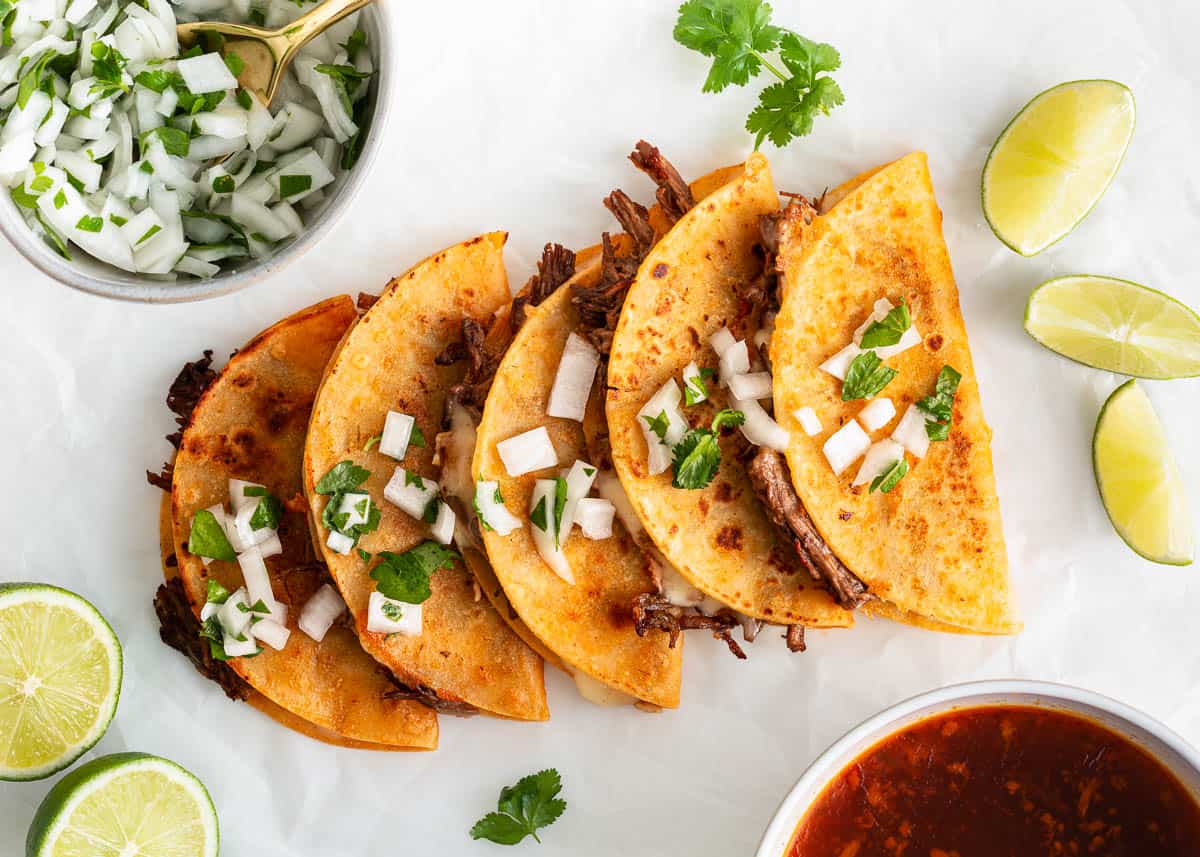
[[250, 424], [933, 547], [688, 287], [588, 624], [466, 653]]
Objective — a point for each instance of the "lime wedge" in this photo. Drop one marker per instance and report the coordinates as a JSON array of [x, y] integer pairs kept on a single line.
[[60, 678], [1054, 161], [125, 805], [1139, 483], [1115, 325]]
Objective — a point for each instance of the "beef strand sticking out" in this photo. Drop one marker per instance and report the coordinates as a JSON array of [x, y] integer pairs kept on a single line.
[[427, 696], [674, 196], [652, 611], [795, 638], [772, 483], [556, 266], [180, 629], [182, 397]]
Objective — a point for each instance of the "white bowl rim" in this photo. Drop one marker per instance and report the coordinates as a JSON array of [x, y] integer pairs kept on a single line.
[[827, 765], [63, 271]]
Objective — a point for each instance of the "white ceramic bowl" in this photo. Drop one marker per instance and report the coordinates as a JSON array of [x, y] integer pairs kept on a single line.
[[1180, 757], [90, 275]]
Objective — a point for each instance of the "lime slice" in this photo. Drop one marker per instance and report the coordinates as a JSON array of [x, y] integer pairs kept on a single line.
[[60, 678], [1139, 482], [1054, 161], [125, 805], [1116, 325]]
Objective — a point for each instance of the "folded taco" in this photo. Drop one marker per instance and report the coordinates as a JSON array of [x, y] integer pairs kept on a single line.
[[685, 384], [385, 471], [888, 450], [246, 598]]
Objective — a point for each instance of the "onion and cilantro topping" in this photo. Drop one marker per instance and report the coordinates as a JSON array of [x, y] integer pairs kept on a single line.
[[889, 330], [527, 452], [413, 494], [890, 477], [399, 432], [233, 624], [750, 385], [698, 456], [573, 380], [405, 576], [490, 509], [695, 384], [866, 377], [940, 406], [115, 142], [663, 425], [347, 520], [547, 503], [388, 616], [845, 446], [320, 612], [878, 460], [523, 809], [207, 537]]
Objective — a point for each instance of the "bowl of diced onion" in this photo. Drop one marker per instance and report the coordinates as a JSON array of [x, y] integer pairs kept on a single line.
[[140, 171]]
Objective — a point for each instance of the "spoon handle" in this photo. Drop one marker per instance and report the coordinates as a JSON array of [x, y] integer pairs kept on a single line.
[[312, 23]]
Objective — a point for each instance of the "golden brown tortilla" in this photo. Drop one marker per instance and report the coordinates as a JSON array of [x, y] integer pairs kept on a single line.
[[933, 546], [250, 424], [465, 653], [590, 623], [718, 537]]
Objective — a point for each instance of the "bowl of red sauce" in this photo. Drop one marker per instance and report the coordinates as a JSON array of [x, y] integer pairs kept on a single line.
[[995, 769]]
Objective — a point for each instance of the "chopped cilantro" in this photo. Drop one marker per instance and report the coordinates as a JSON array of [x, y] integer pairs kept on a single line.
[[405, 576], [866, 377], [150, 233], [292, 185], [695, 390], [417, 438], [697, 457], [267, 514], [659, 425], [889, 329], [207, 538], [888, 480], [223, 184], [344, 476], [538, 516], [560, 503], [940, 406], [392, 611], [411, 478], [90, 223]]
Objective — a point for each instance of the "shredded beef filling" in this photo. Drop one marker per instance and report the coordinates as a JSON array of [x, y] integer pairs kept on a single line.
[[795, 638], [182, 397], [652, 611], [674, 196], [556, 266], [427, 696], [365, 301], [772, 483], [180, 629]]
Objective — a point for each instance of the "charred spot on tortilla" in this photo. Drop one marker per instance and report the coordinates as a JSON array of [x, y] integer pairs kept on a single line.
[[660, 270], [729, 538]]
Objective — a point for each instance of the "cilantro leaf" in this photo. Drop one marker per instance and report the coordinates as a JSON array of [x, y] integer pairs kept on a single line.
[[888, 330], [372, 441], [175, 141], [417, 438], [538, 516], [523, 809], [207, 537], [267, 513], [217, 594], [560, 503], [659, 424], [939, 407], [738, 35], [405, 576], [344, 476], [866, 377], [696, 459], [429, 515], [695, 390], [727, 417], [891, 477], [354, 44], [392, 611]]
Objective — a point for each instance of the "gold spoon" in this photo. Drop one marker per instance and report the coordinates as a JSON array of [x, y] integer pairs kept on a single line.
[[268, 53]]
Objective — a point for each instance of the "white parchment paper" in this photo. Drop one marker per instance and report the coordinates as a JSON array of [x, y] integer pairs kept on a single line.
[[519, 116]]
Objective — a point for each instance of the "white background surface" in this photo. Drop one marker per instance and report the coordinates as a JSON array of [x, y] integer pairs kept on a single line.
[[519, 116]]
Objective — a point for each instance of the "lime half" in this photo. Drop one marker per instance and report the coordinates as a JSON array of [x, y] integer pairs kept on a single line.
[[1054, 161], [1139, 483], [60, 678], [125, 805], [1116, 325]]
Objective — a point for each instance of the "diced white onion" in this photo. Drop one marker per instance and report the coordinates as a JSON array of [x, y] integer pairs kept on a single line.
[[272, 633], [609, 487], [878, 459], [544, 539], [271, 545], [573, 381], [142, 228], [492, 511], [527, 452], [760, 428], [234, 614], [877, 414], [721, 341], [664, 401], [238, 498], [410, 492], [845, 446], [254, 572], [442, 529], [206, 73], [839, 364], [694, 382], [278, 611], [409, 623], [910, 432], [81, 167], [595, 517], [808, 420], [735, 361], [397, 432], [235, 648], [357, 506], [579, 485], [246, 536], [209, 610], [321, 611], [295, 125], [753, 385], [256, 217], [339, 543]]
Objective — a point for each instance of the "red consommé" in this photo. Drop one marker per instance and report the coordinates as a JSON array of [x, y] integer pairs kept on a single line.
[[1002, 781]]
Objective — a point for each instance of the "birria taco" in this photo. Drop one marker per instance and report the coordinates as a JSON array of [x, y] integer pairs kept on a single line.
[[377, 458], [871, 359], [246, 599]]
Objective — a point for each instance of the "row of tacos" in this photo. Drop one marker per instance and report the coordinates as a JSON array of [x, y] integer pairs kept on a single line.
[[407, 504]]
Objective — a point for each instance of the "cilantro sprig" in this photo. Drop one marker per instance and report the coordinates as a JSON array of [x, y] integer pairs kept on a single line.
[[207, 538], [890, 478], [866, 377], [890, 329], [405, 576], [939, 408], [698, 456], [341, 480], [739, 37], [523, 809]]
